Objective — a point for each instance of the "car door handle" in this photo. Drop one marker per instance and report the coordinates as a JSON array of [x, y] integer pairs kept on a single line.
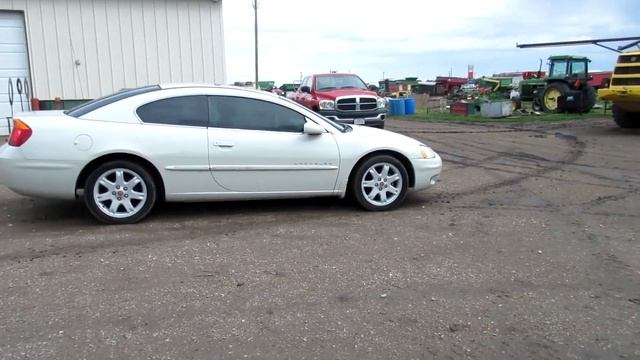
[[224, 144]]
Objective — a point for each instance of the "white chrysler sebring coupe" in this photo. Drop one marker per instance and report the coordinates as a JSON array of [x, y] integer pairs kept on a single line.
[[125, 152]]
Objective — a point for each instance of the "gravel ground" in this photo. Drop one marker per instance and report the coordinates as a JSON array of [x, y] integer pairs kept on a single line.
[[527, 248]]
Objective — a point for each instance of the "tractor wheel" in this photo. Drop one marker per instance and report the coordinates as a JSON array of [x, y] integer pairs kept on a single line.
[[625, 119], [536, 106], [589, 98], [550, 96]]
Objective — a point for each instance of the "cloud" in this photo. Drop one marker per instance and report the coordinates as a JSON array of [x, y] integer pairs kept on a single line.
[[414, 38]]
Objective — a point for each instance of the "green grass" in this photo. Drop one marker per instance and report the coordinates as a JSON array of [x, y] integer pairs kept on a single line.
[[435, 116]]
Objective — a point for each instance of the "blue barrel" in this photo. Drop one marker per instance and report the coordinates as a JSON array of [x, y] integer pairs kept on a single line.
[[409, 106], [396, 107]]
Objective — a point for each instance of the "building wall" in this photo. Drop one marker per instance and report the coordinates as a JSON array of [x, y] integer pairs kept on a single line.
[[83, 49]]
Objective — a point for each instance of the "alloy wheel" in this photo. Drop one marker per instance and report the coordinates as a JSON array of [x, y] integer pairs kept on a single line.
[[120, 193], [381, 184]]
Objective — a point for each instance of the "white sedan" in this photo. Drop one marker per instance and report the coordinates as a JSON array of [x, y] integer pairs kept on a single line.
[[125, 152]]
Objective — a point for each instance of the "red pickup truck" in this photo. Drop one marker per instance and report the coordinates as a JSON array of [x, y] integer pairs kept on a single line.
[[343, 98]]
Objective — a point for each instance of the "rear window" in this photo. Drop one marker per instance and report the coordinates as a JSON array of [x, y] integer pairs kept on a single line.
[[192, 110], [109, 99]]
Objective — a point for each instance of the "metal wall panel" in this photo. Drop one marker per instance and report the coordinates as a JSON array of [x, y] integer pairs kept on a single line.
[[83, 49], [14, 67]]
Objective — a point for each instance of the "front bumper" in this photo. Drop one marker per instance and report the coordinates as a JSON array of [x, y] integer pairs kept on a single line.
[[427, 172], [373, 118]]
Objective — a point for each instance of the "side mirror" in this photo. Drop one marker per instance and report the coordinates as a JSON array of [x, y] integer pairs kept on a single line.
[[306, 89], [311, 128]]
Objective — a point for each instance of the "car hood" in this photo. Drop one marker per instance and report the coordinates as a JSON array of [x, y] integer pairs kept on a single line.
[[333, 94]]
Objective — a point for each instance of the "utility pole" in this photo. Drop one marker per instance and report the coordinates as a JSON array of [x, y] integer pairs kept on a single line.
[[254, 4]]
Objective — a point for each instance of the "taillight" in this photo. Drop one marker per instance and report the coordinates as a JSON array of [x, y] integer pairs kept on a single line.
[[20, 134]]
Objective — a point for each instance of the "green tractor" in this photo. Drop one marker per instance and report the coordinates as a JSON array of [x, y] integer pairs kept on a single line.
[[565, 89]]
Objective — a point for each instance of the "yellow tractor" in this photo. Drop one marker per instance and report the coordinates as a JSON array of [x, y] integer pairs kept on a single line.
[[624, 90]]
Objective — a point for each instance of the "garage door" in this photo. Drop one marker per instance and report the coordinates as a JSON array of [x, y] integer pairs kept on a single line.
[[14, 64]]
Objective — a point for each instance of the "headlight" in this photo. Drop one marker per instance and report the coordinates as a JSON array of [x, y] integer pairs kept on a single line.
[[426, 152], [327, 105], [381, 103]]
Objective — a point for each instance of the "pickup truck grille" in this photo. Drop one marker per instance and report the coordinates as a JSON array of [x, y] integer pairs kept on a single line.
[[356, 103]]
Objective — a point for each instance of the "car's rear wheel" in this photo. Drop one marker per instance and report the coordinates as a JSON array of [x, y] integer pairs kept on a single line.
[[120, 192], [380, 183]]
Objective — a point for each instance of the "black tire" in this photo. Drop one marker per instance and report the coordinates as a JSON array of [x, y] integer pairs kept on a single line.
[[384, 183], [589, 98], [562, 88], [535, 106], [122, 195], [625, 119]]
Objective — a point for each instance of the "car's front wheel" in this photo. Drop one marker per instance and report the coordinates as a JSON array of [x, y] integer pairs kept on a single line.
[[380, 183], [120, 192]]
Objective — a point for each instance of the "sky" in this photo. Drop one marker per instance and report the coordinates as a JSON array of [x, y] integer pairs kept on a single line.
[[416, 38]]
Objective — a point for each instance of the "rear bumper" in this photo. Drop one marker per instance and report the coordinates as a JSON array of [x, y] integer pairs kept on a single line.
[[427, 172], [47, 179], [370, 118]]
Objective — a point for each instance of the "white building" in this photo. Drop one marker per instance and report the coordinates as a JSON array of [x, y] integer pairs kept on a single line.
[[83, 49]]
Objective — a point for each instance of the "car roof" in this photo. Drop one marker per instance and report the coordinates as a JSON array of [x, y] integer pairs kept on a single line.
[[335, 74], [209, 86]]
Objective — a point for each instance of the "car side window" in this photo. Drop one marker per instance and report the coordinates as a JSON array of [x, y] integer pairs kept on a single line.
[[182, 110], [251, 114]]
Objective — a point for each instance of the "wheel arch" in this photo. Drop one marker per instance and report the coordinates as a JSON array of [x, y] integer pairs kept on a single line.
[[95, 163], [399, 156]]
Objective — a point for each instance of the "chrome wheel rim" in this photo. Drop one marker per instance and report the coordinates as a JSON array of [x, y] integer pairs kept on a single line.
[[381, 184], [120, 193]]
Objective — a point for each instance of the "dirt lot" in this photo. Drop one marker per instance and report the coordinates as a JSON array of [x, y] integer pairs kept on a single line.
[[527, 248]]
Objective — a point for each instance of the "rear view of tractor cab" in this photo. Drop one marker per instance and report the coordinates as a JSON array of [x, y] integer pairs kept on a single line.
[[567, 88]]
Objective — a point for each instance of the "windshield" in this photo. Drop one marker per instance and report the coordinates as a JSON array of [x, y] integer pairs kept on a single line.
[[558, 67], [332, 82]]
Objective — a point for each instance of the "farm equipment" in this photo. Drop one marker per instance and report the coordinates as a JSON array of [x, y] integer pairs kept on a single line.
[[624, 90], [624, 87], [565, 89]]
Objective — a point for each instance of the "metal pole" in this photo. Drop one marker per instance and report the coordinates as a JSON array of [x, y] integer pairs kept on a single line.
[[255, 29]]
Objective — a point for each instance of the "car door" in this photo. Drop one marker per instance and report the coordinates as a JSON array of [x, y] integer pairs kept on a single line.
[[305, 98], [259, 146], [174, 136]]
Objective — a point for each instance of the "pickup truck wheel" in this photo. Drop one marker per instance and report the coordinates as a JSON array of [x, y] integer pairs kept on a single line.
[[120, 192], [380, 183], [625, 119]]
